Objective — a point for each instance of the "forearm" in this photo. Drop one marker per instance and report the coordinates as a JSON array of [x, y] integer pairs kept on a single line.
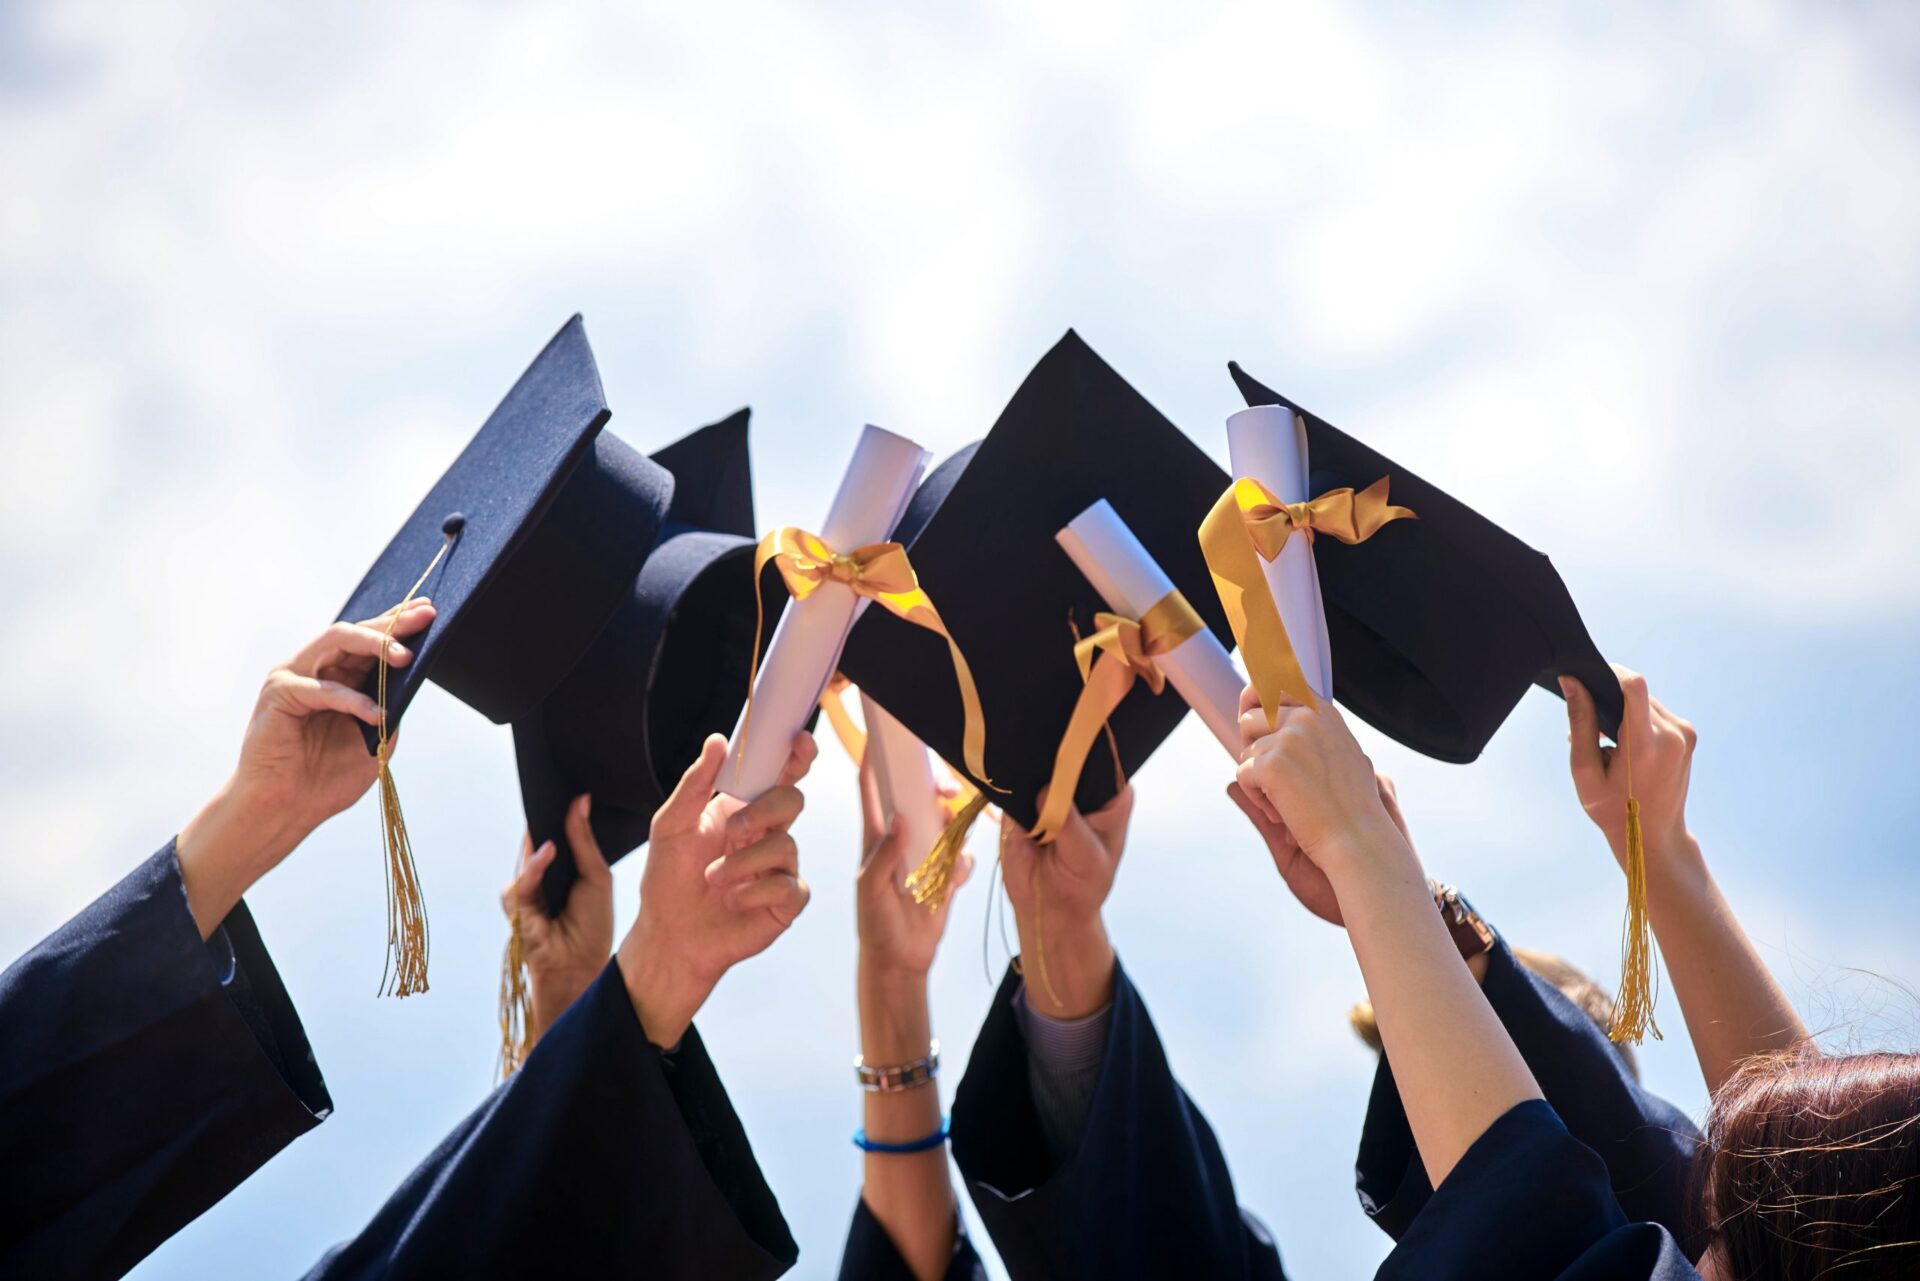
[[909, 1193], [1732, 1005], [1068, 966], [1457, 1069], [231, 843]]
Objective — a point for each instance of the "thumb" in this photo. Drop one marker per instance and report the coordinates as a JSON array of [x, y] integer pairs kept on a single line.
[[682, 811], [587, 859]]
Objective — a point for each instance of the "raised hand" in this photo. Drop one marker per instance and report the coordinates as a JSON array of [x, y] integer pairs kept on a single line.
[[1658, 757], [302, 761], [722, 883], [1057, 891], [897, 935], [566, 952], [1302, 876]]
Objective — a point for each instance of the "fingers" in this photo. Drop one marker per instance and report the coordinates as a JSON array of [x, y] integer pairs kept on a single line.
[[773, 811], [304, 695], [784, 896], [682, 811], [1677, 724], [414, 618], [1109, 822], [1016, 842], [887, 849], [523, 892], [1247, 778], [800, 759], [873, 820], [1583, 735], [777, 853], [349, 640], [1638, 719], [587, 859], [1276, 834]]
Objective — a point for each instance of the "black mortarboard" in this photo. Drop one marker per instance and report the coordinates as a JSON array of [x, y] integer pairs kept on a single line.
[[545, 519], [1438, 625], [526, 545], [669, 669], [980, 533]]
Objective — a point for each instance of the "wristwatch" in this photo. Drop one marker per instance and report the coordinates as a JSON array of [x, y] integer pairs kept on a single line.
[[1472, 935]]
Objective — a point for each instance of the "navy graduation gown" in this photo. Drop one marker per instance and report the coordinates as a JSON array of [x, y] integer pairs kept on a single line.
[[144, 1074], [1528, 1200], [871, 1255], [1146, 1193], [601, 1156], [1647, 1144]]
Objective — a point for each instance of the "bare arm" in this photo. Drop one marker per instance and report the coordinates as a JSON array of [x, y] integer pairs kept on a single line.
[[1732, 1005], [1456, 1067], [909, 1193]]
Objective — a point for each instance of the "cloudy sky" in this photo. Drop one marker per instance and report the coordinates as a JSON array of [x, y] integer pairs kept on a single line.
[[1642, 284]]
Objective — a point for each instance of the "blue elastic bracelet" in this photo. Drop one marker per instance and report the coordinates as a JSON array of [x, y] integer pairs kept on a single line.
[[934, 1140]]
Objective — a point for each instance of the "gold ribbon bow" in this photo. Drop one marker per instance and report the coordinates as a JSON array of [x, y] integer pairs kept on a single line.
[[1120, 652], [1249, 525], [880, 572]]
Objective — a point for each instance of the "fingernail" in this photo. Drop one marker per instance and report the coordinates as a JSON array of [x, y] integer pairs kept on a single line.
[[396, 650], [546, 851], [584, 804]]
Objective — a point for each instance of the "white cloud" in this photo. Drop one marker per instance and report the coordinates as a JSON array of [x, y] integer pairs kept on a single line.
[[1642, 288]]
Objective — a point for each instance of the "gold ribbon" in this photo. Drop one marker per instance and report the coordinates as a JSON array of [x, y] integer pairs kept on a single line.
[[1249, 525], [833, 703], [1119, 653], [880, 572]]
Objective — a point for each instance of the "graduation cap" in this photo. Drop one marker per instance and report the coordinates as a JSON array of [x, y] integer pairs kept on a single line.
[[668, 669], [527, 545], [980, 531], [1438, 625]]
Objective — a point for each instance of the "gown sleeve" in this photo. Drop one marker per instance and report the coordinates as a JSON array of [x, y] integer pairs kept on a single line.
[[144, 1073], [602, 1155], [1530, 1200], [1145, 1192], [1648, 1145], [870, 1254]]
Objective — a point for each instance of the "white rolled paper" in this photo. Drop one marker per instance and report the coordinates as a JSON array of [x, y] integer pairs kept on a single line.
[[1131, 582], [805, 649], [1269, 444], [904, 773]]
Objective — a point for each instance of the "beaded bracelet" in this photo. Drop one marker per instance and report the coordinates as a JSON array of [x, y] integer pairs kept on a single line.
[[894, 1080], [934, 1140]]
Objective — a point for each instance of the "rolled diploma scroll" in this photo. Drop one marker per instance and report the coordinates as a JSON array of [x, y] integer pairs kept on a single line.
[[1268, 444], [1127, 577], [905, 774], [806, 646]]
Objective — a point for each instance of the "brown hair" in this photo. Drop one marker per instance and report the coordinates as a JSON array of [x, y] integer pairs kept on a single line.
[[1812, 1167], [1561, 973]]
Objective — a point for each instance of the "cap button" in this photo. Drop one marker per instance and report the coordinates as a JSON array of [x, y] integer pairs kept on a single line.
[[453, 524]]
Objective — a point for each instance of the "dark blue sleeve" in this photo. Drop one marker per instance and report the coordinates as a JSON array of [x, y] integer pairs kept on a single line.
[[600, 1156], [143, 1075], [870, 1254], [1648, 1145], [1528, 1200], [1146, 1193]]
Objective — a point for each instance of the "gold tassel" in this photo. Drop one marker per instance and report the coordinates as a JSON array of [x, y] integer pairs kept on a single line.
[[516, 1004], [1633, 1007], [405, 972], [1039, 949], [932, 881]]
